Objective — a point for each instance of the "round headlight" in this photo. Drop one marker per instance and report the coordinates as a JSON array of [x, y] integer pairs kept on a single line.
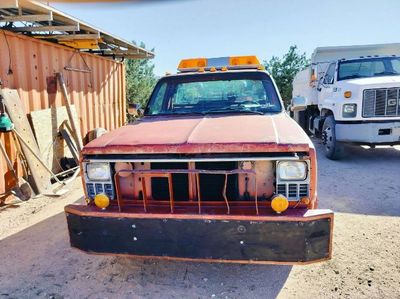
[[98, 171], [292, 171]]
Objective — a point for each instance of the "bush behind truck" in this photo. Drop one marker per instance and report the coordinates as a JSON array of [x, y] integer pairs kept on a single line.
[[350, 94]]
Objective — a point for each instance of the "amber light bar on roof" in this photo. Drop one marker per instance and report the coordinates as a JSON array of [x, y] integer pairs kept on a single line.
[[219, 63]]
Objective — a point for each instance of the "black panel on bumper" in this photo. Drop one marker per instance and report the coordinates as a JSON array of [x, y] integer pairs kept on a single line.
[[222, 240]]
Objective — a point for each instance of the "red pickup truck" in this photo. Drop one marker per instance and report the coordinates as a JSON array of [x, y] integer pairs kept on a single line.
[[213, 170]]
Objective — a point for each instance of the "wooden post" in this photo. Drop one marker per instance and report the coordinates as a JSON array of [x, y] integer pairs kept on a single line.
[[78, 140]]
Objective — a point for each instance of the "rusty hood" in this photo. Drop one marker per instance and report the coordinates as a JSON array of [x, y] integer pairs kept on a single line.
[[204, 134]]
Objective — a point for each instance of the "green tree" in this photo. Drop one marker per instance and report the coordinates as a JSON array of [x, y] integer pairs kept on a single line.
[[140, 79], [284, 69]]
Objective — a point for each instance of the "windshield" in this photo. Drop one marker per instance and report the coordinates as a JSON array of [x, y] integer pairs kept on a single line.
[[236, 92], [373, 67]]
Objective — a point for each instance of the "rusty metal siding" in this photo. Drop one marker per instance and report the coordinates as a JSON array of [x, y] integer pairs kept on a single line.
[[99, 96]]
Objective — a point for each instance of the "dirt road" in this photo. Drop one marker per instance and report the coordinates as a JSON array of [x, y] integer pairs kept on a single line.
[[363, 188]]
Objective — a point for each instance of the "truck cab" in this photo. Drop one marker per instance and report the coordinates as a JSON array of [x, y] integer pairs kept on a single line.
[[350, 95], [214, 170]]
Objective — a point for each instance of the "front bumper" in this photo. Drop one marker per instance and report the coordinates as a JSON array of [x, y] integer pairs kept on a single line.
[[369, 133], [298, 236]]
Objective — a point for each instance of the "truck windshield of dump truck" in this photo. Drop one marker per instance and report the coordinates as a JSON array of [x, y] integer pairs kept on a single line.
[[369, 67], [222, 92]]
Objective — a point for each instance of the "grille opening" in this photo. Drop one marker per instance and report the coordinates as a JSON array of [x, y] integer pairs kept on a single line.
[[303, 190], [282, 189], [211, 186], [293, 191], [385, 131], [180, 182], [381, 102]]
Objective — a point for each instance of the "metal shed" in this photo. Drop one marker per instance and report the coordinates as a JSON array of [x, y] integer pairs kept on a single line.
[[36, 42]]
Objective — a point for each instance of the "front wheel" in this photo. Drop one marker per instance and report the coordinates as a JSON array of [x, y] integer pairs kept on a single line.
[[301, 117], [333, 149]]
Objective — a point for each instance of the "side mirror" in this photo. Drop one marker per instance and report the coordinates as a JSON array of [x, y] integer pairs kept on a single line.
[[135, 110], [321, 80], [298, 104]]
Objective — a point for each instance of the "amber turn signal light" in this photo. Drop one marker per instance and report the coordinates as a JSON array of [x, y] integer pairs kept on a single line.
[[279, 203], [347, 94], [101, 201], [305, 200]]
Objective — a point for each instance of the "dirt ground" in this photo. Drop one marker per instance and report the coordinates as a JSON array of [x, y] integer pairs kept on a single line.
[[363, 189]]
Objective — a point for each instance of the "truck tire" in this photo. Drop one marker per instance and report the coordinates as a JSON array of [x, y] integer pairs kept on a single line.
[[302, 119], [333, 149]]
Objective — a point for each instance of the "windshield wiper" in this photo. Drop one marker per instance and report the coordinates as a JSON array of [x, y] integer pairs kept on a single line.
[[352, 77], [232, 110], [178, 113], [386, 73]]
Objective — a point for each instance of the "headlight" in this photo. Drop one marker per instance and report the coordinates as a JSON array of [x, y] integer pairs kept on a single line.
[[292, 171], [98, 171], [349, 110]]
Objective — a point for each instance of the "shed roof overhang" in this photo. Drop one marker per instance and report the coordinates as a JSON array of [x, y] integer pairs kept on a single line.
[[41, 21]]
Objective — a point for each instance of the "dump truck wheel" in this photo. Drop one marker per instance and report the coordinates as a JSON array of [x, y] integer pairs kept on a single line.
[[333, 149], [302, 120]]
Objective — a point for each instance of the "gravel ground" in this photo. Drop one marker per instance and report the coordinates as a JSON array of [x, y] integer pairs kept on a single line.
[[363, 188]]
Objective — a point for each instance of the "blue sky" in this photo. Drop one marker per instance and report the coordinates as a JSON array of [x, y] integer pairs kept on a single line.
[[213, 28]]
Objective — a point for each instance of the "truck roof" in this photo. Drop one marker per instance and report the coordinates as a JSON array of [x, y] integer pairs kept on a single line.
[[180, 74], [228, 63], [329, 54]]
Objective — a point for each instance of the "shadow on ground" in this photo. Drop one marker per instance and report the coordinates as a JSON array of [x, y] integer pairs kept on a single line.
[[38, 262], [365, 181]]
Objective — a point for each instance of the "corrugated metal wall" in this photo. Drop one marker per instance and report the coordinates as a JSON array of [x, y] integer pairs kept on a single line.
[[99, 96]]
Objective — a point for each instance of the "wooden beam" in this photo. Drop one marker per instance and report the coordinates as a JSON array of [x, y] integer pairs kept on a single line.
[[9, 4], [76, 36], [28, 18], [129, 53], [69, 37], [16, 111], [67, 28], [81, 44], [121, 54], [74, 126]]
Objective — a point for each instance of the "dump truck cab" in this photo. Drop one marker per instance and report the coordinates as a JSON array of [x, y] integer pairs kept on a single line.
[[350, 95], [214, 170]]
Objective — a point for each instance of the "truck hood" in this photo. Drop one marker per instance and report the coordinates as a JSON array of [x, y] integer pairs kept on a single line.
[[204, 134], [374, 82]]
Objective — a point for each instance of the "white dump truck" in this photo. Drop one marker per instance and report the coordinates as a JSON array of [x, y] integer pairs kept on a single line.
[[350, 94]]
